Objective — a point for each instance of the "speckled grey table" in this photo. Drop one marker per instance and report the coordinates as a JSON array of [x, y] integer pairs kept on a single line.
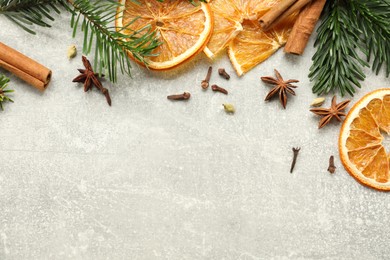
[[153, 179]]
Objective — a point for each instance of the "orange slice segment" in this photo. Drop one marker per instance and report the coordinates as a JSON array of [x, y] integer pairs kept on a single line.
[[381, 113], [228, 18], [182, 28], [361, 142], [366, 122], [225, 30], [252, 46], [378, 169], [360, 139], [361, 158], [237, 28]]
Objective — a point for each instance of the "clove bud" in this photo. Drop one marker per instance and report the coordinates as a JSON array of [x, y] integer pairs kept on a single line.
[[219, 89], [332, 167], [223, 73], [184, 96], [205, 82], [296, 152]]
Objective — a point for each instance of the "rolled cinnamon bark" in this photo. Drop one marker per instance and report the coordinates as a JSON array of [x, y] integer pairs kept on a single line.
[[25, 68], [304, 27], [268, 18], [300, 4]]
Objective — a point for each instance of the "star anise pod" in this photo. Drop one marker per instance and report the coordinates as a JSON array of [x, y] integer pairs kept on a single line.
[[280, 86], [329, 113], [90, 78]]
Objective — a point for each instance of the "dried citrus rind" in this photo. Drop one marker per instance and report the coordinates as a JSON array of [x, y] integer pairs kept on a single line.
[[361, 140], [183, 28], [238, 30]]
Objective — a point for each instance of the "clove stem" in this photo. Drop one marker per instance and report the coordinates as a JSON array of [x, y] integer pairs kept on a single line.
[[183, 96], [332, 167], [219, 89], [205, 82], [296, 152], [223, 73]]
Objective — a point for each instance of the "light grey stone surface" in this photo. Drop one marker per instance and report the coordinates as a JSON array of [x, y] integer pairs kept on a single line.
[[152, 179]]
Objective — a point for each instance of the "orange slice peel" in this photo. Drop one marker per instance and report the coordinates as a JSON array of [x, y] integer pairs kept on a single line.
[[361, 147], [182, 28], [237, 29]]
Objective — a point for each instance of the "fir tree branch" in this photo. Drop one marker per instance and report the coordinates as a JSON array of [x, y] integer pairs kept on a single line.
[[373, 18], [336, 64], [26, 13], [111, 45], [348, 27], [3, 85]]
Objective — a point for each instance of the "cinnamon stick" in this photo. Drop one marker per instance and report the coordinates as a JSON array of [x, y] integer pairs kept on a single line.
[[268, 18], [297, 5], [304, 27], [25, 68]]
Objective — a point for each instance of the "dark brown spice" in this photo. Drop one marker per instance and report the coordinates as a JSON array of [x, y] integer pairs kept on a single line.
[[329, 113], [223, 73], [90, 78], [219, 89], [159, 23], [280, 86], [296, 152], [205, 82], [332, 167], [184, 96]]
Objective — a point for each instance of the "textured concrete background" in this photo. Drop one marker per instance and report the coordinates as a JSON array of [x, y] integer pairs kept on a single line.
[[152, 179]]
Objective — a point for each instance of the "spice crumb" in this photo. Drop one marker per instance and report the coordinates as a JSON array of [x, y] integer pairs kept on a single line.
[[317, 102], [229, 108], [72, 51]]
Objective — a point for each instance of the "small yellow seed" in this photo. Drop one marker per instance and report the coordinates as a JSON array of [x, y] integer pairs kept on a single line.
[[317, 102], [72, 51], [229, 108]]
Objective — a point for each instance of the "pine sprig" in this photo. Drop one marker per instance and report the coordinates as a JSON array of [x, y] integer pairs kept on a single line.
[[111, 46], [336, 64], [349, 27], [3, 85], [373, 18], [26, 13]]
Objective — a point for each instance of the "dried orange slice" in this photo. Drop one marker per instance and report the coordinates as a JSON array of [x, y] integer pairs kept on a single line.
[[236, 27], [183, 28], [361, 140]]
